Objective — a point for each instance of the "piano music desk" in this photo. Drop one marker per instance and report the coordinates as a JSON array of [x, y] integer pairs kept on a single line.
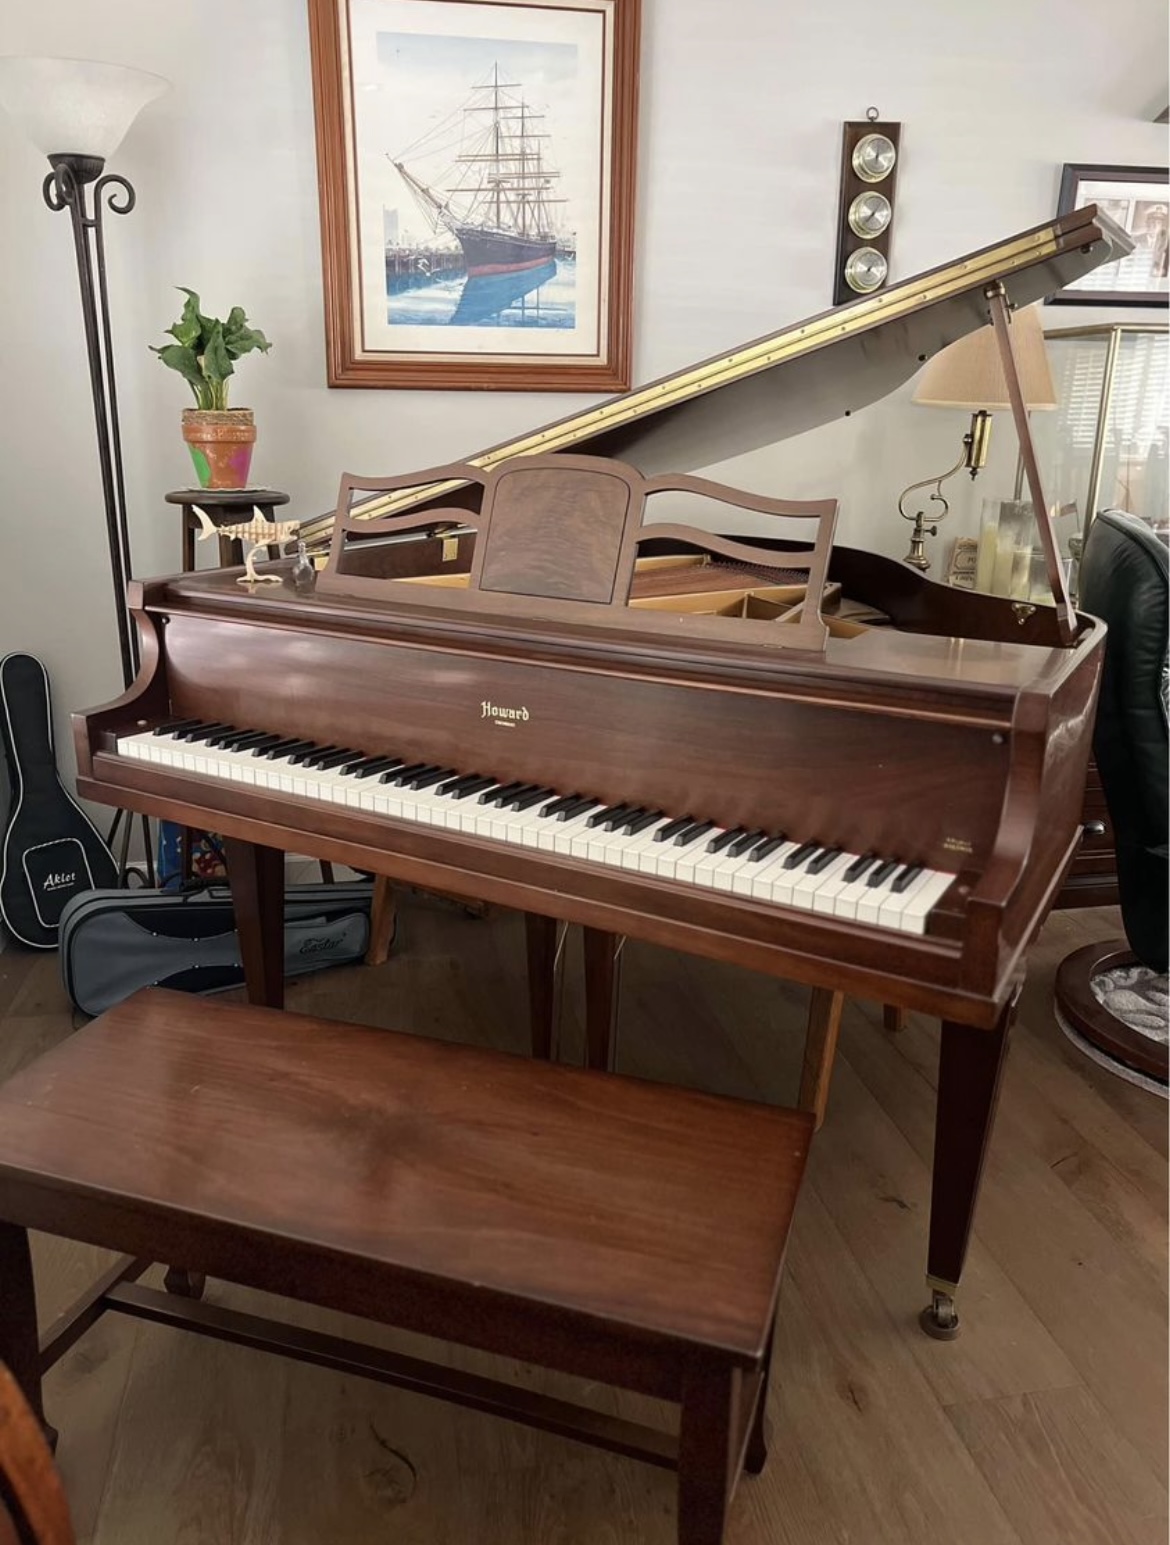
[[612, 1229]]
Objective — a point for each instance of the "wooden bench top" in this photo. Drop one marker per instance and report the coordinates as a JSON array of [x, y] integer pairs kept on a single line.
[[651, 1208]]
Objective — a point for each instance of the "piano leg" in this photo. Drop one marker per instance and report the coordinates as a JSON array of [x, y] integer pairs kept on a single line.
[[820, 1050], [602, 982], [970, 1065], [382, 922], [544, 936], [256, 876]]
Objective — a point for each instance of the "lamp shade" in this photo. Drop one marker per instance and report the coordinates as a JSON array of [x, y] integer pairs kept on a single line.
[[75, 106], [969, 373]]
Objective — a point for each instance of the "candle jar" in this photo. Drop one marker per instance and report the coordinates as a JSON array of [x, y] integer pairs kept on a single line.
[[1006, 532]]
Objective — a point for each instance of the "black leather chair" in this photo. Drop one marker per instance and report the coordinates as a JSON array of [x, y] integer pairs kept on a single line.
[[1125, 580]]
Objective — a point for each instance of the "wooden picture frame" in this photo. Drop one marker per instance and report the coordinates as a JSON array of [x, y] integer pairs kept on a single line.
[[455, 252], [1137, 198]]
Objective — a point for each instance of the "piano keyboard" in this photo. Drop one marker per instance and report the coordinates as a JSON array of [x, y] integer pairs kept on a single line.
[[770, 867]]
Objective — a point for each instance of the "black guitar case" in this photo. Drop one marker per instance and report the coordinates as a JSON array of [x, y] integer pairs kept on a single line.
[[52, 851]]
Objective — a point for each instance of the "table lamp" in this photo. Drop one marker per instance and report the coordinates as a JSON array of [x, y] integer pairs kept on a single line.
[[969, 375]]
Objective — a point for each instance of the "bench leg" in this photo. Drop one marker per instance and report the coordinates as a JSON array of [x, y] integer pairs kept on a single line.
[[18, 1317], [756, 1455], [184, 1284], [603, 962], [707, 1440]]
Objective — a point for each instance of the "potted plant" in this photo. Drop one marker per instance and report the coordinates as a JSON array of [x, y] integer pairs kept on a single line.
[[219, 438]]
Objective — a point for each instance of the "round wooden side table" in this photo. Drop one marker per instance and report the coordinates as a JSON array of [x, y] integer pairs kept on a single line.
[[223, 507]]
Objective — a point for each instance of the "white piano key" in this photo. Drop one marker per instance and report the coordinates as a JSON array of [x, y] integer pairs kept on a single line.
[[825, 898], [809, 886], [914, 916], [694, 855], [759, 871], [897, 901]]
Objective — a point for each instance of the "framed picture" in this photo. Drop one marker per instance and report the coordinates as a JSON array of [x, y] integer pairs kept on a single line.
[[476, 163], [1137, 198]]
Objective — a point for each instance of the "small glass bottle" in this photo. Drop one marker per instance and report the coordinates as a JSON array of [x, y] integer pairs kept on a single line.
[[304, 575]]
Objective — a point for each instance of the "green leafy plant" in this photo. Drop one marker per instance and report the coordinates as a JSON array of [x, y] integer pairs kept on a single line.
[[206, 348]]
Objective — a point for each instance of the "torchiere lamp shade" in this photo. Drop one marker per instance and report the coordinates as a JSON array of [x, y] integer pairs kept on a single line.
[[80, 107], [969, 374]]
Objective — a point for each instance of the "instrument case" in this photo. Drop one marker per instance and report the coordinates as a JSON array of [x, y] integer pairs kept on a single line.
[[115, 941]]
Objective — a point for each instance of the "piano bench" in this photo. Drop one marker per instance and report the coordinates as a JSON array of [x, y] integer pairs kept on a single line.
[[615, 1230]]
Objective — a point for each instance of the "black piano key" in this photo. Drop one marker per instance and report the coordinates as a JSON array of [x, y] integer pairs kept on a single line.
[[377, 764], [265, 743], [693, 832], [604, 816], [906, 878], [401, 774], [205, 732], [617, 822], [533, 797], [500, 792], [725, 839], [557, 805], [513, 800], [766, 849], [858, 867], [457, 784], [327, 763], [430, 776], [333, 756], [246, 742], [643, 822], [353, 766], [802, 855], [286, 748], [741, 845], [883, 872], [172, 726], [235, 739], [674, 828], [477, 787], [823, 859], [307, 758], [578, 807]]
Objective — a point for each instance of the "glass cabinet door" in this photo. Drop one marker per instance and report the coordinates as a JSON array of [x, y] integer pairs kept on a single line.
[[1106, 445]]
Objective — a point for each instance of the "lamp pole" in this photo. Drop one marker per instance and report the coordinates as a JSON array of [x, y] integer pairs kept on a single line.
[[65, 187], [87, 105]]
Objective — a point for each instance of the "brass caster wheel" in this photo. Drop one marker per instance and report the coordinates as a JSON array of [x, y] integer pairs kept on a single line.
[[941, 1320]]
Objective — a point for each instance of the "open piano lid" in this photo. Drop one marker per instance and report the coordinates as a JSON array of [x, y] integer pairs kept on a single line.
[[810, 373]]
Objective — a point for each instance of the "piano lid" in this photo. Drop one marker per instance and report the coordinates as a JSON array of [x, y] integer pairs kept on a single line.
[[810, 373]]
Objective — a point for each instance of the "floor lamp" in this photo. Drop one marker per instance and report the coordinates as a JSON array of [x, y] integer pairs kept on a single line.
[[78, 111]]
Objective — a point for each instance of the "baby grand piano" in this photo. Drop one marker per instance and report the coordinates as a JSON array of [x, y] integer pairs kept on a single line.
[[886, 811]]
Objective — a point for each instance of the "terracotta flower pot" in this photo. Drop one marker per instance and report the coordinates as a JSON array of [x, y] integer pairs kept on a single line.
[[220, 442]]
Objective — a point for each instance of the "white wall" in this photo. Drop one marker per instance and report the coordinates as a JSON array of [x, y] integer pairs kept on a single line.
[[740, 131]]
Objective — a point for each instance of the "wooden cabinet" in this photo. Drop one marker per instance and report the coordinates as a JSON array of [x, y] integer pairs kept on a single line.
[[1092, 876]]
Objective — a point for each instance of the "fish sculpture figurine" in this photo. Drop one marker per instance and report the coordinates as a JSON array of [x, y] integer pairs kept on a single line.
[[256, 535]]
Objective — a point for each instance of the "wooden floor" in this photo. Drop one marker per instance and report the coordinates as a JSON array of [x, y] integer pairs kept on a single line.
[[1044, 1424]]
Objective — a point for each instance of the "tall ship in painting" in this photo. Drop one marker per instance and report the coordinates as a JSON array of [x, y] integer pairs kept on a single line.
[[499, 204]]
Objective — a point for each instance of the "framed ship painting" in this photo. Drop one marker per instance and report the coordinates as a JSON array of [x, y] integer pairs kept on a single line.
[[476, 162]]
